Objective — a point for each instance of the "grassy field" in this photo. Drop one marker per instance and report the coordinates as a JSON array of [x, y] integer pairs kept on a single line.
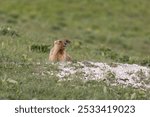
[[104, 31]]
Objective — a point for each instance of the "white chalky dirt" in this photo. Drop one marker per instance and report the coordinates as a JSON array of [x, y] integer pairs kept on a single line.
[[127, 74]]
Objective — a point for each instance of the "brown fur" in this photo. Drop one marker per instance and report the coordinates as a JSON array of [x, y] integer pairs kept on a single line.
[[58, 53]]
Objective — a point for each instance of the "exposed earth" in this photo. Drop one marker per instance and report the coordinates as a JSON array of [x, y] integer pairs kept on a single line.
[[114, 73]]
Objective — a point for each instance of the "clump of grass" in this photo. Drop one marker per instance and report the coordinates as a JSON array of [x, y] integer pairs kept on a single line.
[[40, 48], [145, 61], [111, 77], [8, 31]]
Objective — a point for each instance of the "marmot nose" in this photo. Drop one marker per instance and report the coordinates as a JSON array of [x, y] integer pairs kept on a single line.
[[66, 42]]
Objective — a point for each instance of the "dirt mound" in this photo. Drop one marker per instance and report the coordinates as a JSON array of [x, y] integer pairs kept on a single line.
[[115, 73]]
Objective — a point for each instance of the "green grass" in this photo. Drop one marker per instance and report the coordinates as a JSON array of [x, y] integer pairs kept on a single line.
[[104, 31]]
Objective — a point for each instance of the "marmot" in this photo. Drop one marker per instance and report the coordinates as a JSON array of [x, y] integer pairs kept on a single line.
[[58, 53]]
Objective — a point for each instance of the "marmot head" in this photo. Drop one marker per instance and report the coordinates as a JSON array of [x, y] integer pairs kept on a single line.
[[61, 44]]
